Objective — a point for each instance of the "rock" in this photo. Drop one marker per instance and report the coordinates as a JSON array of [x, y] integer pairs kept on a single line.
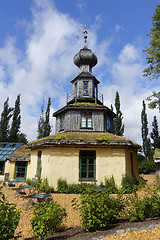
[[120, 231]]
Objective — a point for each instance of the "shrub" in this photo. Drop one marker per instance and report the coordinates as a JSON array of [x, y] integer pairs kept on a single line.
[[128, 183], [110, 185], [147, 167], [9, 219], [139, 209], [44, 186], [62, 185], [47, 218], [98, 208], [40, 184]]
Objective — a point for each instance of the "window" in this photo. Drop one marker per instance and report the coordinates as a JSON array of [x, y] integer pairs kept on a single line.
[[39, 163], [131, 157], [2, 165], [75, 87], [87, 165], [61, 123], [86, 120], [108, 123], [85, 88]]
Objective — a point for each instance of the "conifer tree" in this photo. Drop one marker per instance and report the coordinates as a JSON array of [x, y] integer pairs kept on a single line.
[[4, 122], [118, 125], [146, 144], [16, 122], [155, 134], [47, 126], [44, 127]]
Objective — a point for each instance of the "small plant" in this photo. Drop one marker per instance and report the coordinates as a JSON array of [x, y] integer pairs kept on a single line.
[[29, 181], [138, 209], [9, 219], [110, 185], [62, 185], [44, 186], [98, 208], [47, 218], [128, 184]]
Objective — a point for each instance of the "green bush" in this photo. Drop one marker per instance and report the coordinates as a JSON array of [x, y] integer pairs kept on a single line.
[[9, 218], [139, 209], [62, 185], [98, 208], [147, 167], [110, 185], [128, 184], [47, 218]]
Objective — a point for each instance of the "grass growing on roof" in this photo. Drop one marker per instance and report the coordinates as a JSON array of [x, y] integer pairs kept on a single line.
[[82, 136]]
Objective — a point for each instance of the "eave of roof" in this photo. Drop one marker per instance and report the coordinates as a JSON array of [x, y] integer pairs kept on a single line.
[[83, 106], [84, 139], [84, 75]]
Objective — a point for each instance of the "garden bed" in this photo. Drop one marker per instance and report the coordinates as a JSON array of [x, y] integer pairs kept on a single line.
[[71, 225]]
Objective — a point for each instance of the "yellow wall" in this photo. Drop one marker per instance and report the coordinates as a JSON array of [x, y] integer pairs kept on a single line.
[[63, 162], [10, 168]]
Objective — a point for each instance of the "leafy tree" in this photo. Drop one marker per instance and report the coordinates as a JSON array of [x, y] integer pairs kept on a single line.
[[153, 51], [118, 125], [154, 100], [44, 127], [153, 57], [4, 122], [155, 134], [16, 122], [146, 144]]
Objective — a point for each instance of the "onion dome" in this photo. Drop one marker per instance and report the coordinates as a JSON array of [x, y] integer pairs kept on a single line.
[[85, 59]]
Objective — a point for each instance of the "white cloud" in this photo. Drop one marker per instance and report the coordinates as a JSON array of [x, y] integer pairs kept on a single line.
[[46, 66], [118, 28], [133, 89]]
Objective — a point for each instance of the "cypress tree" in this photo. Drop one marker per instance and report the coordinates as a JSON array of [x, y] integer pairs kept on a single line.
[[155, 134], [118, 125], [16, 122], [47, 126], [146, 144], [44, 127], [41, 123], [4, 122]]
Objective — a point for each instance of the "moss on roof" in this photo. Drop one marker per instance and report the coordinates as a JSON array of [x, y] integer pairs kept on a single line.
[[85, 103], [157, 153], [84, 136], [22, 151]]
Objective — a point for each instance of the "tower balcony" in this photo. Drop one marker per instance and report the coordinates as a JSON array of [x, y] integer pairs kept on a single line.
[[81, 96]]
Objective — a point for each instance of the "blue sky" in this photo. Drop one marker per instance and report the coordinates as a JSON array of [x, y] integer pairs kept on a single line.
[[39, 38]]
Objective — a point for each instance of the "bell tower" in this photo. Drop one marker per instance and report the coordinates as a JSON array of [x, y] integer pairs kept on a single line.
[[84, 110], [85, 85]]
